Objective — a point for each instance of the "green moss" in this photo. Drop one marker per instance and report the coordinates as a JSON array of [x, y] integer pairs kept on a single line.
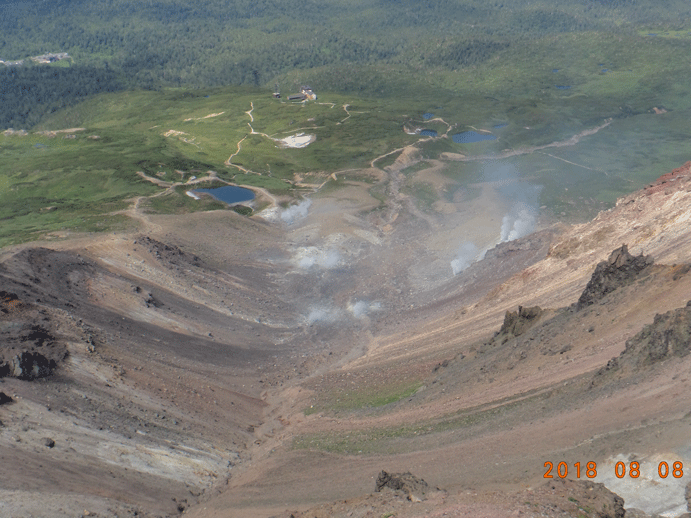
[[364, 397], [398, 439], [424, 193]]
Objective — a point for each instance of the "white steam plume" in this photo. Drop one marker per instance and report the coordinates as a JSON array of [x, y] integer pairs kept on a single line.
[[310, 256], [522, 196], [518, 223], [362, 308], [296, 212], [322, 314], [467, 254]]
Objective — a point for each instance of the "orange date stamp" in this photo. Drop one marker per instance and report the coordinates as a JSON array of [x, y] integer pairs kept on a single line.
[[621, 469]]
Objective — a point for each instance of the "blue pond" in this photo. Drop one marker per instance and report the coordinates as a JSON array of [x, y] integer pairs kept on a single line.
[[500, 126], [427, 116], [563, 87], [469, 137], [555, 70], [428, 133], [229, 193]]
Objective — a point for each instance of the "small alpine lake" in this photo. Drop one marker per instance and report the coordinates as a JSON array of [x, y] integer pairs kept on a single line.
[[228, 194]]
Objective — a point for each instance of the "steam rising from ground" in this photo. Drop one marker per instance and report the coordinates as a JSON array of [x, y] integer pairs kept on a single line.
[[296, 212], [327, 314], [362, 308], [323, 314], [522, 196], [519, 222], [467, 254], [310, 256]]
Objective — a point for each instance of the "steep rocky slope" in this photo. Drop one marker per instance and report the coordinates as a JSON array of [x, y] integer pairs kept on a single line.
[[505, 403], [185, 367]]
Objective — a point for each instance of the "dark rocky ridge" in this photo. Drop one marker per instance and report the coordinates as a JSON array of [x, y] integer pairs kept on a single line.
[[29, 349], [668, 336], [620, 269]]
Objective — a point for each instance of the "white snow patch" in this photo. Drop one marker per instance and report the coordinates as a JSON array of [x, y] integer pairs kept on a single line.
[[298, 140], [173, 133], [191, 195]]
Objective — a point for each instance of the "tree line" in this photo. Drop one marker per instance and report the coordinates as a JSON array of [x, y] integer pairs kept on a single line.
[[158, 43]]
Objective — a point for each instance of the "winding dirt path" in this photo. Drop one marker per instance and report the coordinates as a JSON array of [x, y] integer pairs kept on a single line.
[[228, 162], [345, 109]]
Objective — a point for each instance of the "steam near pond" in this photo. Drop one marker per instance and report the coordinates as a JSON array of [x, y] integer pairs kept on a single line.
[[295, 213]]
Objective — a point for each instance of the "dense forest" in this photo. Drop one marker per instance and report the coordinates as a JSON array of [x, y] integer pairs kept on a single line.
[[29, 93], [154, 44]]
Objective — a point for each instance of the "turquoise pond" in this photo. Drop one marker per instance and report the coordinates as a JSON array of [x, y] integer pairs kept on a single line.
[[228, 194]]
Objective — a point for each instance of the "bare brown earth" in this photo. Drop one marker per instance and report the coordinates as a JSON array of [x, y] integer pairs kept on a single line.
[[201, 366]]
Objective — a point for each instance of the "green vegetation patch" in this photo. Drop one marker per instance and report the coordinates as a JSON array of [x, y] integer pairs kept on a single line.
[[176, 201], [424, 193], [397, 439], [416, 168], [362, 397], [75, 181]]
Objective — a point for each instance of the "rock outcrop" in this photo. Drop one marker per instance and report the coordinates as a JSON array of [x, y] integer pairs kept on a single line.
[[518, 322], [668, 336], [28, 348], [620, 269], [414, 488]]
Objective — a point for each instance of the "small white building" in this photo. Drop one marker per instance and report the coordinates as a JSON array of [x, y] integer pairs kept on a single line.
[[308, 93]]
